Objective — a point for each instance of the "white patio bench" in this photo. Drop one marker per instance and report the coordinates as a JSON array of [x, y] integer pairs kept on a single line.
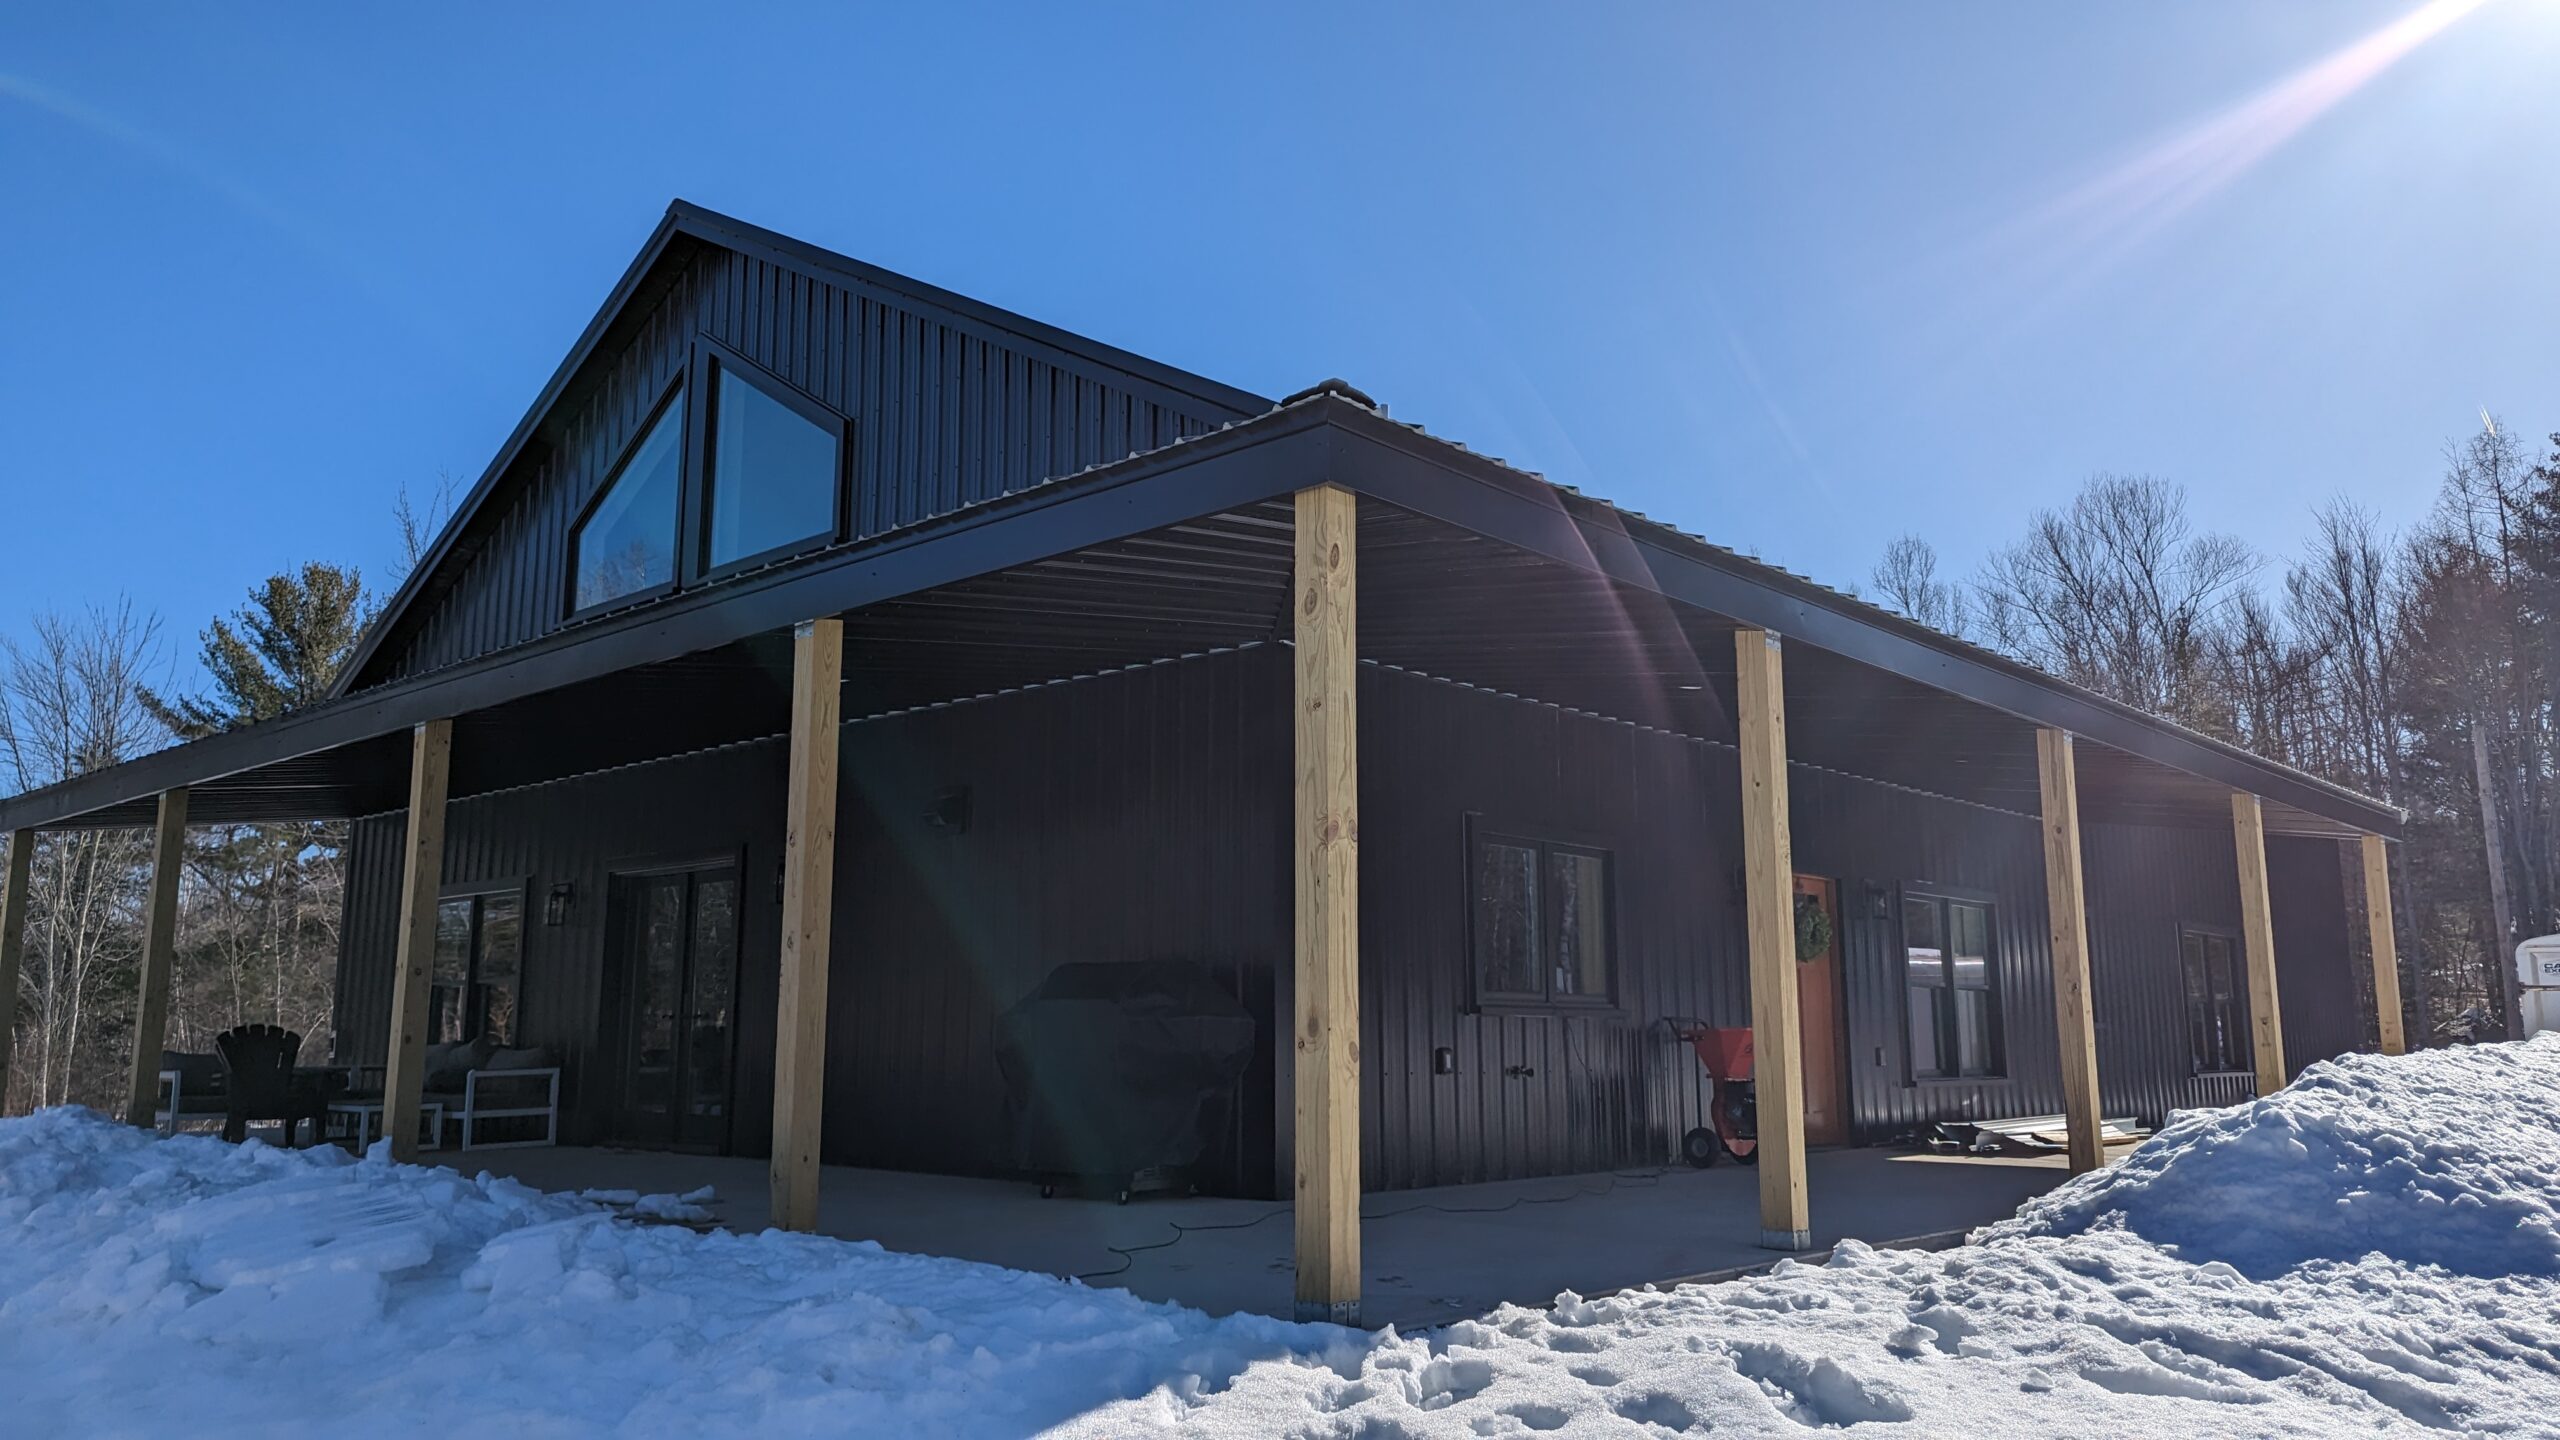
[[493, 1092], [520, 1093]]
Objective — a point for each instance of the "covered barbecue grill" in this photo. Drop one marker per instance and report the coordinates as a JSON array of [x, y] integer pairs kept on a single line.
[[1118, 1073]]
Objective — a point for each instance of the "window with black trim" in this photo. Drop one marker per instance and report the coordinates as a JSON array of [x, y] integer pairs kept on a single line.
[[626, 545], [1952, 985], [1541, 928], [775, 472], [479, 967], [2217, 1001]]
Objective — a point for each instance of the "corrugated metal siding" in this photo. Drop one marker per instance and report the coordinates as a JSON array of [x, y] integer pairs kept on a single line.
[[2145, 885], [1874, 840], [1604, 1090], [946, 412], [2324, 985], [1145, 814], [1089, 801], [1131, 817], [726, 805]]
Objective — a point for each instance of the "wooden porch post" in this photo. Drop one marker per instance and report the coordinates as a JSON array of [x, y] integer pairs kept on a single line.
[[1768, 870], [2067, 921], [1327, 847], [808, 914], [13, 940], [159, 954], [404, 1069], [2386, 952], [2258, 936]]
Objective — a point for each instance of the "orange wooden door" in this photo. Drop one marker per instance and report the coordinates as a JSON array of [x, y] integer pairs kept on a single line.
[[1826, 1101]]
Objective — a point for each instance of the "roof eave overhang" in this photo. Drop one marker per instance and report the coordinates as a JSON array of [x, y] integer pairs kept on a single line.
[[1407, 468], [1318, 440], [1245, 464]]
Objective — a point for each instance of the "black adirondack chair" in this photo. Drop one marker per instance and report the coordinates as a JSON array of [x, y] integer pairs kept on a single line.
[[263, 1086]]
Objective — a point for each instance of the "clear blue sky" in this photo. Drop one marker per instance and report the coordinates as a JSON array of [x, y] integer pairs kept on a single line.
[[1798, 277]]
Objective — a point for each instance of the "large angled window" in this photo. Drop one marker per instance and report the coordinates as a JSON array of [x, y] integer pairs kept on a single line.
[[774, 469], [627, 543]]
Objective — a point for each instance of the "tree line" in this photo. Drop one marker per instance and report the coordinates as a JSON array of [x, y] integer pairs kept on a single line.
[[259, 905], [2413, 667]]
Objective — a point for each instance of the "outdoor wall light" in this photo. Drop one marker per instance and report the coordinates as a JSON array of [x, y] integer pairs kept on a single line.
[[555, 907], [949, 812]]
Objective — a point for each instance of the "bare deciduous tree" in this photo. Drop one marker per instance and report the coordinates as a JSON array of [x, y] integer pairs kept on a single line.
[[419, 526], [71, 702], [1907, 577], [2118, 593]]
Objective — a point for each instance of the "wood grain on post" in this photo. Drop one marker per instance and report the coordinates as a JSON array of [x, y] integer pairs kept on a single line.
[[808, 914], [159, 957], [2067, 920], [2386, 950], [1326, 1006], [2258, 938], [404, 1069], [1768, 870]]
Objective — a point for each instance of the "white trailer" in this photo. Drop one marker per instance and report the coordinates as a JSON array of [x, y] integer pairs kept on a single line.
[[2538, 984]]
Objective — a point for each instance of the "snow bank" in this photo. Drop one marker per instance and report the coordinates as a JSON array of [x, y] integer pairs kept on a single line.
[[2446, 1157], [183, 1286], [2369, 1252]]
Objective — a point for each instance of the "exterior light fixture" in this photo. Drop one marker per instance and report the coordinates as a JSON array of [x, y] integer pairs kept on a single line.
[[555, 908]]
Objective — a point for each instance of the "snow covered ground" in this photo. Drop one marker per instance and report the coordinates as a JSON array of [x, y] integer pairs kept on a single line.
[[2375, 1250]]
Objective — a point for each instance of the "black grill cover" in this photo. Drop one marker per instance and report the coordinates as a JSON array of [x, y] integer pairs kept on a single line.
[[1113, 1068]]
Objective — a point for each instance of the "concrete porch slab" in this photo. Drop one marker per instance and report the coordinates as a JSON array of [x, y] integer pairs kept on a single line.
[[1432, 1256]]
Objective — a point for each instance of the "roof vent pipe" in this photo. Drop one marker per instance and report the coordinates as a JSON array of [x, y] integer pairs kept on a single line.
[[1342, 389]]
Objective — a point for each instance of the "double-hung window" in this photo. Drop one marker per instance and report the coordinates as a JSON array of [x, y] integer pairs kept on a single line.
[[2217, 1001], [479, 967], [1541, 928], [1951, 981]]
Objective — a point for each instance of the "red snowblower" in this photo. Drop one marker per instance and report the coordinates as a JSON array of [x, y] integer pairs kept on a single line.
[[1733, 1103]]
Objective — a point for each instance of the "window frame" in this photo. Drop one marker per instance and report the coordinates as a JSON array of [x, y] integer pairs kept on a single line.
[[676, 390], [2230, 936], [692, 392], [1543, 841], [1944, 897], [704, 365], [521, 889]]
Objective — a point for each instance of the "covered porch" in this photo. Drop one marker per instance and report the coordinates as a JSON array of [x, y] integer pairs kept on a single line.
[[1367, 550], [1429, 1256]]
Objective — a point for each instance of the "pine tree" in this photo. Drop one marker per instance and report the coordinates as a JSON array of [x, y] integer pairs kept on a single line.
[[277, 653], [262, 906]]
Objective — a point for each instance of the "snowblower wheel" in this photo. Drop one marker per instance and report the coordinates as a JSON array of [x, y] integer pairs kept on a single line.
[[1700, 1147]]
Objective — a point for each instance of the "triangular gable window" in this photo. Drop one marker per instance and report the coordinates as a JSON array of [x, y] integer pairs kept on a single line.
[[627, 544], [775, 468]]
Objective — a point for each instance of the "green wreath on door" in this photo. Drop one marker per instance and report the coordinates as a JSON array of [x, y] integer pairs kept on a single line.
[[1813, 929]]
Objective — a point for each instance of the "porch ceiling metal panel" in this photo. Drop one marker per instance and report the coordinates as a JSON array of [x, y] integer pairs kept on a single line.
[[1114, 512], [1488, 499], [1443, 600], [345, 780]]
